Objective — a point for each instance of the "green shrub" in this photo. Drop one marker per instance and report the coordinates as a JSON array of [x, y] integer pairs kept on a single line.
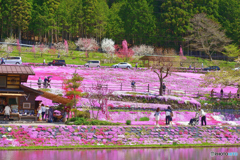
[[144, 119], [174, 143], [128, 122], [84, 121], [83, 114]]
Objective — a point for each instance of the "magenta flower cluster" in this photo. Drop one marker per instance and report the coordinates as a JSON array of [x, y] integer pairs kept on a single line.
[[115, 135]]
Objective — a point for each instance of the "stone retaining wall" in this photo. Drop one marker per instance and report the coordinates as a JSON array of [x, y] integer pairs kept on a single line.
[[112, 135]]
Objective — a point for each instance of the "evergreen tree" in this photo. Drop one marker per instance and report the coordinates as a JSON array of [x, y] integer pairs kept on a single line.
[[139, 22], [21, 15], [115, 25], [89, 11], [175, 19], [229, 17], [102, 12]]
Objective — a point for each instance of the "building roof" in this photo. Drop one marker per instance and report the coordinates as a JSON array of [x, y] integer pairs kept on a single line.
[[55, 98], [31, 90], [16, 69]]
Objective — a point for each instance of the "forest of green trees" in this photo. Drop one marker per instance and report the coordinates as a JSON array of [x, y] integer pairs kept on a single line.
[[151, 22]]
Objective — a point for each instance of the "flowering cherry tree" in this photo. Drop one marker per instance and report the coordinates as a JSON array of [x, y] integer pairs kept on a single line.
[[42, 48], [18, 47], [143, 50], [124, 53], [66, 46], [87, 44], [34, 50], [108, 46]]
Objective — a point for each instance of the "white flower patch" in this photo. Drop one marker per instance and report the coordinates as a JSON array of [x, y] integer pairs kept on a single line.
[[9, 129]]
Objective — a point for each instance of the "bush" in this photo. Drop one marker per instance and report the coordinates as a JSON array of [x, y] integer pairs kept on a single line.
[[84, 121], [128, 122], [84, 114], [144, 119]]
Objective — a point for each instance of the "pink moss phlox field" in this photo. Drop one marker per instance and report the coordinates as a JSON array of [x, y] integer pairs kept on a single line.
[[177, 81], [179, 118], [20, 136], [185, 85]]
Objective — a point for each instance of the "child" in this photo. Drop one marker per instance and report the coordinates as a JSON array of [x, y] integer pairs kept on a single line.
[[157, 114]]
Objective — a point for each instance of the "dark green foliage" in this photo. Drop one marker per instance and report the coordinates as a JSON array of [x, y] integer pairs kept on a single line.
[[144, 119], [153, 22], [128, 122]]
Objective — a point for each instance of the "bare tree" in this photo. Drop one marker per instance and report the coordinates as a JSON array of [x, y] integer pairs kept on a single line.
[[98, 96], [206, 35], [162, 67]]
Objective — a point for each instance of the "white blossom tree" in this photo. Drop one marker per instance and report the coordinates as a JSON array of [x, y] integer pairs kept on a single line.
[[143, 50], [108, 46], [87, 44]]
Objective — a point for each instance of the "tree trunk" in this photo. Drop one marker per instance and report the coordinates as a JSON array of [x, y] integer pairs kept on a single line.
[[210, 57], [75, 101], [160, 88]]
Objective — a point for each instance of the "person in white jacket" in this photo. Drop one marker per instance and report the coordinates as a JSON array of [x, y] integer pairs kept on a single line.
[[203, 117]]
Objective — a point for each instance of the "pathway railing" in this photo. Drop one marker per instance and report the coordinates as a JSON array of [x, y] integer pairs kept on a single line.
[[139, 88]]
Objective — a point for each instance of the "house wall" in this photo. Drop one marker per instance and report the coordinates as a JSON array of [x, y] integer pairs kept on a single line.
[[31, 99]]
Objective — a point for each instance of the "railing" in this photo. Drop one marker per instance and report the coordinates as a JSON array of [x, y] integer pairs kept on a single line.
[[138, 88]]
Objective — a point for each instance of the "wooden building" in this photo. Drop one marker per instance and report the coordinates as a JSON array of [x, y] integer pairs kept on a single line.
[[17, 96], [154, 58]]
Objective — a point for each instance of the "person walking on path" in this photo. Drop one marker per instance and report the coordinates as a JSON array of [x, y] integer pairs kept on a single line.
[[39, 110], [2, 60], [202, 65], [203, 116], [43, 111], [50, 114], [48, 82], [170, 120], [44, 61], [168, 115], [39, 82], [157, 115], [190, 66], [47, 112], [133, 85], [7, 111], [45, 82], [136, 65], [164, 88], [238, 92], [53, 62], [221, 93]]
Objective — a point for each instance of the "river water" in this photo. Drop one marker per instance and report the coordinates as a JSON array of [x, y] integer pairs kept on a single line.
[[122, 154]]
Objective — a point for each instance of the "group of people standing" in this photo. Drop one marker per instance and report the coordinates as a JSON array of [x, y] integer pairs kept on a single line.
[[44, 112], [46, 82], [169, 115]]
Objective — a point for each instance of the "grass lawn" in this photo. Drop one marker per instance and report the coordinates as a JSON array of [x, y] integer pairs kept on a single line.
[[203, 145], [79, 58]]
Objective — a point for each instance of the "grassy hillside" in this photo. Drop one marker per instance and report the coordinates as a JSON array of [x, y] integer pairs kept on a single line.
[[79, 58]]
